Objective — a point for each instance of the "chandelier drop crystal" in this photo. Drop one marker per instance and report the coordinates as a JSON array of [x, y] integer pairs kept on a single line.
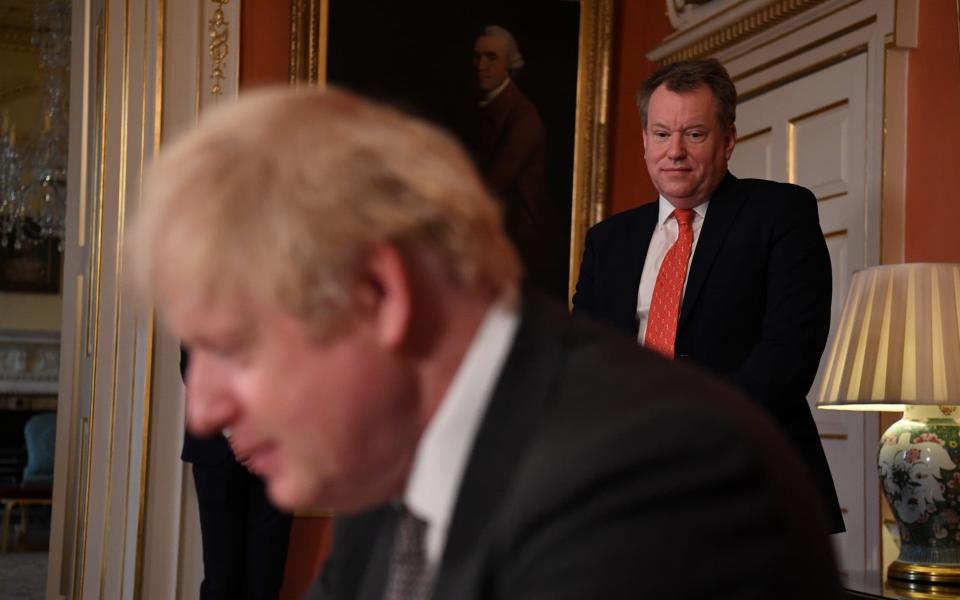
[[33, 172]]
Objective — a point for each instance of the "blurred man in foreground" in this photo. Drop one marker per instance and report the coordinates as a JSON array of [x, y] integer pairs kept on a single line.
[[350, 301]]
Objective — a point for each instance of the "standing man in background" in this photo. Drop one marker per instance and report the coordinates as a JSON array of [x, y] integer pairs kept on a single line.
[[244, 536], [730, 274]]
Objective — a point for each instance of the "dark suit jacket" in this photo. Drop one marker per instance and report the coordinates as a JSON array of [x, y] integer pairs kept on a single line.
[[603, 471], [757, 304]]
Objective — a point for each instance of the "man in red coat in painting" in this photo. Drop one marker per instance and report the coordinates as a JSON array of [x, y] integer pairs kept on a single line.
[[509, 145]]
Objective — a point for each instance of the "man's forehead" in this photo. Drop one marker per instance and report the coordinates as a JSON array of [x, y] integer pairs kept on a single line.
[[692, 105], [699, 94], [489, 43], [204, 315]]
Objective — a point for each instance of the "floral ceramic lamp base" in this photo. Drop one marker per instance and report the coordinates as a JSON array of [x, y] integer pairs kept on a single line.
[[919, 465]]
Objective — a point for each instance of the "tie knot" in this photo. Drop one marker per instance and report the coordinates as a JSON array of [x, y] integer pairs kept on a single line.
[[684, 216]]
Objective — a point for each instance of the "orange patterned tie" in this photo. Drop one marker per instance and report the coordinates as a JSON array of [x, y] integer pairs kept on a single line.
[[664, 311]]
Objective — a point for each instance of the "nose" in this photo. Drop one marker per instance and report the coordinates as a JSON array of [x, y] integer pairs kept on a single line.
[[210, 403], [676, 149]]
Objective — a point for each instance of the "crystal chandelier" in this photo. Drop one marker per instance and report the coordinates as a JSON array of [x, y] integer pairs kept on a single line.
[[33, 172]]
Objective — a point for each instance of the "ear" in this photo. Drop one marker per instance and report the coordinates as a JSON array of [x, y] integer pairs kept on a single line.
[[387, 293], [730, 142]]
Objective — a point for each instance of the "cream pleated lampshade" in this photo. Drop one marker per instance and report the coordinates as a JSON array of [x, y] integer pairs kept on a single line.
[[898, 340]]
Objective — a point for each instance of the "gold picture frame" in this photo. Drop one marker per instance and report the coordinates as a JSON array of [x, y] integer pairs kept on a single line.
[[309, 62]]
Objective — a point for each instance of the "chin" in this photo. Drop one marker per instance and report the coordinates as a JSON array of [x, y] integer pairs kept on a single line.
[[680, 195], [280, 499], [289, 495]]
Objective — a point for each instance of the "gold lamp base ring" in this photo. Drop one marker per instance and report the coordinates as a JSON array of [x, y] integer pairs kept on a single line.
[[924, 574]]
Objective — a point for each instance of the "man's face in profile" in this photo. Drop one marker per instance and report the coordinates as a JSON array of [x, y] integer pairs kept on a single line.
[[685, 147], [490, 62], [325, 422]]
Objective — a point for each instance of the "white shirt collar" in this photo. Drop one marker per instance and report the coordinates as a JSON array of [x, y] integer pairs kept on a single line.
[[443, 451], [666, 210], [496, 92]]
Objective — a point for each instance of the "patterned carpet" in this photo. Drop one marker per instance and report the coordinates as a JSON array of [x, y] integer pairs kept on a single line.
[[23, 575]]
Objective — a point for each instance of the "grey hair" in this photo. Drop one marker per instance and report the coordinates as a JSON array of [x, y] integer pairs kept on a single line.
[[514, 58], [687, 75]]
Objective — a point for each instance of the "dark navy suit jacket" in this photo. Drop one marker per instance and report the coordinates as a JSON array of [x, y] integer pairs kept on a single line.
[[756, 309]]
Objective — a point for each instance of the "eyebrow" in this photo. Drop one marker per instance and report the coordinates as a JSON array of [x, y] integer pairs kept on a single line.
[[688, 127]]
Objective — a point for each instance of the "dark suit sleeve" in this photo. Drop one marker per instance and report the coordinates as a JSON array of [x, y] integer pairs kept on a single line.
[[796, 317], [625, 519], [584, 298]]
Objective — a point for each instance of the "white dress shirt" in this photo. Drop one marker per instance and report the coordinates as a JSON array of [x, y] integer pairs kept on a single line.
[[664, 236], [444, 449]]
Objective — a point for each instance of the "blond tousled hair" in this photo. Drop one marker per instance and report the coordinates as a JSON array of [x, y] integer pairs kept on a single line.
[[279, 195]]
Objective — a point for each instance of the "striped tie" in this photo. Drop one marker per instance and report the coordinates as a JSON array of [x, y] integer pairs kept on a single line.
[[409, 577]]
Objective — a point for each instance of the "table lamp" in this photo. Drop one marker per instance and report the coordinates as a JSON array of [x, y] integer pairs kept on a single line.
[[897, 347]]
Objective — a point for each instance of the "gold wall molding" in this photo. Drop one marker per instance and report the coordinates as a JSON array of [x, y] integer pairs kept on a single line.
[[98, 531], [746, 27], [591, 145], [792, 30], [308, 41], [754, 134], [800, 73], [219, 46], [806, 48], [819, 111], [217, 70], [831, 196]]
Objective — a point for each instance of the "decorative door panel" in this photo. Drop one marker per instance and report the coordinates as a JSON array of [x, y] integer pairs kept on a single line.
[[812, 132]]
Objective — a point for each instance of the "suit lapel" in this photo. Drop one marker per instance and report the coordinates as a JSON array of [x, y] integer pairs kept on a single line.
[[357, 567], [724, 206], [513, 414], [635, 255]]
